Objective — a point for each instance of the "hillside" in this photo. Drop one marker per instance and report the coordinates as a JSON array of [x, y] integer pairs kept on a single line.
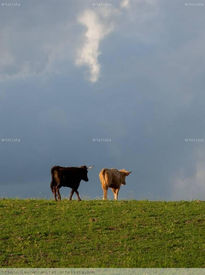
[[45, 233]]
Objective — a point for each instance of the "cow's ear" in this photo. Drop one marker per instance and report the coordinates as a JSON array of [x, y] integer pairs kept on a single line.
[[129, 172], [84, 167]]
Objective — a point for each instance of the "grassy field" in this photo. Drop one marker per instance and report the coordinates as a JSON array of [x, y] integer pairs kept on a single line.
[[45, 233]]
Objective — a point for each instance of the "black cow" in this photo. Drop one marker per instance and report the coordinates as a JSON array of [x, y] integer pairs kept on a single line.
[[68, 177]]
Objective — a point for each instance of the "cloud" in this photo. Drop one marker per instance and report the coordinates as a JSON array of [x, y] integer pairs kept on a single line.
[[125, 4], [27, 51], [96, 30], [6, 59], [189, 183], [103, 20], [190, 187], [39, 49], [152, 97]]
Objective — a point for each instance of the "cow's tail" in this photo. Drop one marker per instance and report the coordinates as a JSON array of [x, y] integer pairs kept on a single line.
[[103, 177], [53, 177]]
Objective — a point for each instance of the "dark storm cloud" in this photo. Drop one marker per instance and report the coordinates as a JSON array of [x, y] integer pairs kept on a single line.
[[148, 99]]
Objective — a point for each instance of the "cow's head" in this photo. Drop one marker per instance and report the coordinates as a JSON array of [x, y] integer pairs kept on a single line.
[[124, 173], [84, 174]]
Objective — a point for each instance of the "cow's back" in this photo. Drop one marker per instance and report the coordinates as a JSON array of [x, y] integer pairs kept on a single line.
[[66, 176], [110, 178]]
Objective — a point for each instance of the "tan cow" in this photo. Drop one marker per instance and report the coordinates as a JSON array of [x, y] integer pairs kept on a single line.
[[112, 178]]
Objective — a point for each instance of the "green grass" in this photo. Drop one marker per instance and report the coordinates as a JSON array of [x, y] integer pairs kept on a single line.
[[45, 233]]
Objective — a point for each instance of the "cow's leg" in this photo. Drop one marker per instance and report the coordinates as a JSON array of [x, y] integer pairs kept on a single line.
[[77, 193], [71, 194], [115, 192], [104, 193], [59, 195], [56, 185], [53, 189], [54, 192]]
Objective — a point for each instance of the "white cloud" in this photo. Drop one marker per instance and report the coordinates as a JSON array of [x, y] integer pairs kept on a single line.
[[125, 4], [190, 188], [96, 30], [101, 21], [50, 45]]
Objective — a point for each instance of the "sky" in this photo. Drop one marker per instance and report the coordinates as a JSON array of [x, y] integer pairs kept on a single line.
[[110, 83]]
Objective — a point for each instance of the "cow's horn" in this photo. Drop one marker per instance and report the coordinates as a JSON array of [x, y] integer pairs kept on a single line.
[[89, 167]]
